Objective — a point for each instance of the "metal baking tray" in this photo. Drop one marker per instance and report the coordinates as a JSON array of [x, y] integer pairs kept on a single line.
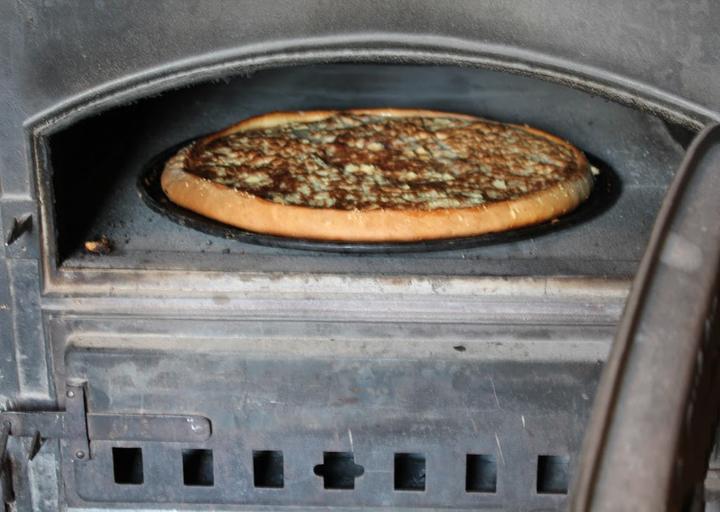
[[605, 192]]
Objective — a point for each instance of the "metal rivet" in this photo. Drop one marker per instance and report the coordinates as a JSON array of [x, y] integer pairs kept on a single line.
[[70, 394], [79, 454]]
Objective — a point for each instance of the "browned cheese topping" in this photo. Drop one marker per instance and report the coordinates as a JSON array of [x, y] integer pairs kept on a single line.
[[368, 162]]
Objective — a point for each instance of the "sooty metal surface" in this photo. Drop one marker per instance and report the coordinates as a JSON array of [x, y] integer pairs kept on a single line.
[[604, 194], [64, 59], [637, 146]]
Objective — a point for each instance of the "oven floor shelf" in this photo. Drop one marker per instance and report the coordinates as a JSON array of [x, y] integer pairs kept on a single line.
[[636, 146]]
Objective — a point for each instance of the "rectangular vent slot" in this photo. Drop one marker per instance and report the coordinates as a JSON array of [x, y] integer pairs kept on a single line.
[[409, 472], [127, 466], [481, 473], [198, 467], [553, 474], [268, 469]]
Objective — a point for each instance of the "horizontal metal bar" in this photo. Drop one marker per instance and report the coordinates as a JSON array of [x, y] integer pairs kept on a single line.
[[148, 427], [50, 424], [112, 427]]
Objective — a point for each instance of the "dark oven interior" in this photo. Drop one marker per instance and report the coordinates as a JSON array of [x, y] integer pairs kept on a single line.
[[94, 165]]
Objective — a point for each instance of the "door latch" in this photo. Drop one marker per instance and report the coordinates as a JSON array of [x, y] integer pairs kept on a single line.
[[78, 426]]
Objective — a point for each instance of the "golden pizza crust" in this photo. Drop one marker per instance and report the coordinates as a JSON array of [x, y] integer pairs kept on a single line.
[[247, 211]]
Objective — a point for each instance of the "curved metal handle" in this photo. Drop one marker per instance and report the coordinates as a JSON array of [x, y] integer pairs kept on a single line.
[[651, 431]]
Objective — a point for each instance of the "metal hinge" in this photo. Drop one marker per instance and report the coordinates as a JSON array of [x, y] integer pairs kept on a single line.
[[79, 427]]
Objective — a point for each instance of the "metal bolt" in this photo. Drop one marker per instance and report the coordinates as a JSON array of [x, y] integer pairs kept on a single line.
[[79, 454], [70, 394]]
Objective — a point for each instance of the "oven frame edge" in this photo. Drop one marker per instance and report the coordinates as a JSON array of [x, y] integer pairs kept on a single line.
[[58, 281]]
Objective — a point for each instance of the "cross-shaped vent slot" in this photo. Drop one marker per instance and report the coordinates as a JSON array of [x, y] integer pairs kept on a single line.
[[339, 470]]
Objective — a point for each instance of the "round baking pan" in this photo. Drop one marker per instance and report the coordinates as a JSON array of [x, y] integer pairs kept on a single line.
[[603, 196]]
